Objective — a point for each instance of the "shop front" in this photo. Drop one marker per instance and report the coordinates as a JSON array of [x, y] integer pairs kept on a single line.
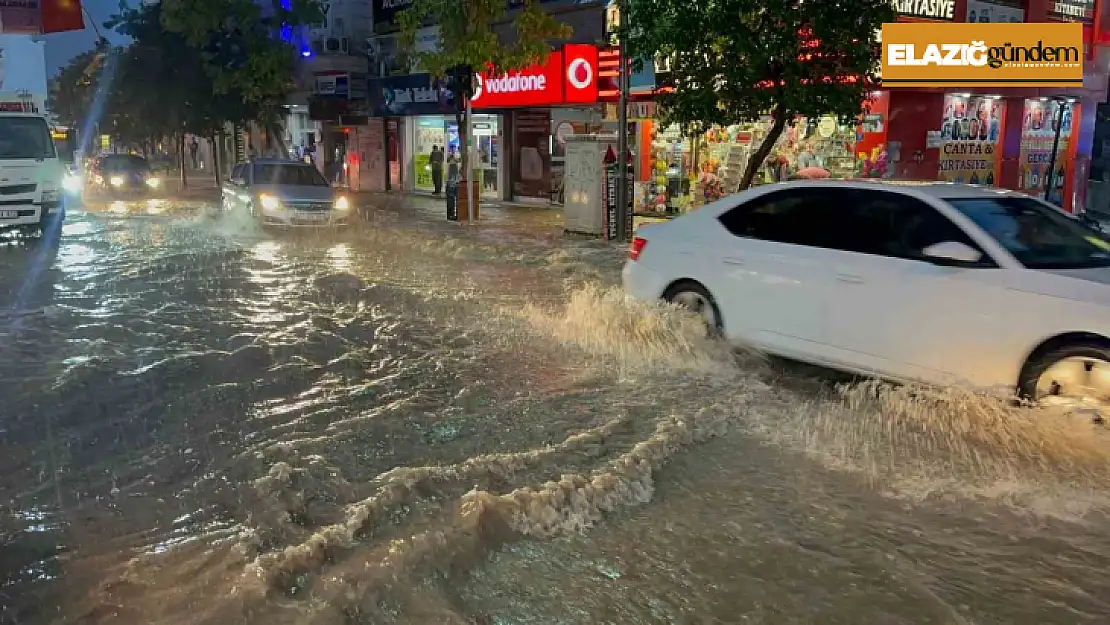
[[432, 132], [536, 105]]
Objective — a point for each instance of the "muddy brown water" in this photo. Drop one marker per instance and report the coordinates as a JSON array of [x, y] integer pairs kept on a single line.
[[413, 423]]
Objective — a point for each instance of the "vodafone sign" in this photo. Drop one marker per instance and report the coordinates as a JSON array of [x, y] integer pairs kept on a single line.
[[568, 77]]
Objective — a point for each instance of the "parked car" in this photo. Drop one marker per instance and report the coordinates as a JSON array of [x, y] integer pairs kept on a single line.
[[31, 175], [938, 283], [121, 176], [285, 193]]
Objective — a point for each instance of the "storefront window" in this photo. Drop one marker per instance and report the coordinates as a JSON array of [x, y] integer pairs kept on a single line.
[[684, 173], [971, 134], [442, 131], [1040, 119]]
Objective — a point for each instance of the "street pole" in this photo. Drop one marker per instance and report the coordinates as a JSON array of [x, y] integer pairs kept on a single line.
[[1050, 178], [622, 128], [471, 200]]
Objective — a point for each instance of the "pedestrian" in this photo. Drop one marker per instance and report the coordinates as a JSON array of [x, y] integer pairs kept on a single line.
[[453, 168], [194, 148], [436, 161]]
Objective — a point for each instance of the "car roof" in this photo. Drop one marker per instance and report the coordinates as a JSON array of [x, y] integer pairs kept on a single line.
[[275, 161], [931, 188]]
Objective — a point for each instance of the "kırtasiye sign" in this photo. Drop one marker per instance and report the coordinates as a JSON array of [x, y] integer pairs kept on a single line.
[[927, 9], [1082, 11], [568, 77]]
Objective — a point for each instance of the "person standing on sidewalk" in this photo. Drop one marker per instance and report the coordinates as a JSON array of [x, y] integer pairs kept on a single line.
[[194, 147], [435, 159]]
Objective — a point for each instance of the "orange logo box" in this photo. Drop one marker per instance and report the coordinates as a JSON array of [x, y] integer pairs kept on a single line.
[[982, 55]]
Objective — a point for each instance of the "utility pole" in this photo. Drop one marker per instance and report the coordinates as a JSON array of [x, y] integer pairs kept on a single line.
[[622, 127], [1050, 176]]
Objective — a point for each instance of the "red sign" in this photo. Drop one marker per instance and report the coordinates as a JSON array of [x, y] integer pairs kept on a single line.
[[40, 16], [568, 77], [581, 73]]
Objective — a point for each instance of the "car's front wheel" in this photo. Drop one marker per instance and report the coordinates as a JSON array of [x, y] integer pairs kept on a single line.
[[695, 298], [1074, 374]]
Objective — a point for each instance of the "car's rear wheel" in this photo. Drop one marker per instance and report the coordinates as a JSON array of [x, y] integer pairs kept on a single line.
[[695, 298], [1074, 375]]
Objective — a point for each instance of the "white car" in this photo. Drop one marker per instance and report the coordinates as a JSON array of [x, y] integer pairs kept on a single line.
[[930, 282]]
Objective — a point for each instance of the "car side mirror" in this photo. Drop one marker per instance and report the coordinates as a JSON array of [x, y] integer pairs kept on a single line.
[[952, 251]]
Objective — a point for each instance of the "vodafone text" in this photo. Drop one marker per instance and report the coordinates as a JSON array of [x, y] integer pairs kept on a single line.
[[514, 83]]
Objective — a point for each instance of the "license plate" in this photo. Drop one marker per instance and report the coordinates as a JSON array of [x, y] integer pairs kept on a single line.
[[313, 216], [9, 214]]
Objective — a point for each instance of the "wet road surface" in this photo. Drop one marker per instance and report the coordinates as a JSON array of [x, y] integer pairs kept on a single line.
[[416, 423]]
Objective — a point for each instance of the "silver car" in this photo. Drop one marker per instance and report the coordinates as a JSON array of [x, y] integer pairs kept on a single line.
[[285, 193]]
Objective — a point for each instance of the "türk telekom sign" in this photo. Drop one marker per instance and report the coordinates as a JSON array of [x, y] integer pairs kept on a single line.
[[568, 77]]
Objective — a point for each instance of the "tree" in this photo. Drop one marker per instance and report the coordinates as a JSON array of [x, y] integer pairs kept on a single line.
[[468, 43], [734, 61], [246, 46]]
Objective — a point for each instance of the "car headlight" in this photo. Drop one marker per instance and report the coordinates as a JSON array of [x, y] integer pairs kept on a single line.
[[50, 195], [341, 203], [153, 183], [72, 183], [269, 202], [117, 181]]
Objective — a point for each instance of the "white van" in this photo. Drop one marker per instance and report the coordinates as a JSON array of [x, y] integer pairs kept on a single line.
[[31, 175]]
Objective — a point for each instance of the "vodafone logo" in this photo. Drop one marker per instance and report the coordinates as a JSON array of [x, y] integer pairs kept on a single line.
[[580, 73], [567, 76]]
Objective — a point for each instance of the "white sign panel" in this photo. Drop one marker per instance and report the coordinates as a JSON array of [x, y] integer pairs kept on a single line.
[[991, 13]]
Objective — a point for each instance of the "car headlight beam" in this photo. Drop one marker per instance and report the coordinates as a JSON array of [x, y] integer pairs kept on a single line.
[[342, 204], [269, 202], [116, 181], [153, 183]]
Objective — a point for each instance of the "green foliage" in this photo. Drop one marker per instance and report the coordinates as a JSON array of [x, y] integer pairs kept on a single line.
[[467, 37], [735, 61], [239, 38], [468, 41], [168, 82], [71, 91]]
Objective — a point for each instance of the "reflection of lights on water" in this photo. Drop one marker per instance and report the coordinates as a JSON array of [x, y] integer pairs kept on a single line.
[[340, 257], [266, 251], [118, 207], [76, 257], [155, 207]]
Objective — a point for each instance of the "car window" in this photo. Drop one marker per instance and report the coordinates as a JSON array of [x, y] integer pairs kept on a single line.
[[1038, 236], [806, 216], [124, 163], [292, 174], [891, 224], [237, 172]]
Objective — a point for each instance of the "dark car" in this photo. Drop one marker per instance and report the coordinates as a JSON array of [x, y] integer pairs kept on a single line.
[[122, 175]]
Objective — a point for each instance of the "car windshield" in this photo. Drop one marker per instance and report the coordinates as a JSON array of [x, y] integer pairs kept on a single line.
[[1037, 235], [125, 164], [25, 137], [296, 175]]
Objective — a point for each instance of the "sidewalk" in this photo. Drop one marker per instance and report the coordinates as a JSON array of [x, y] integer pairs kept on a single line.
[[538, 223]]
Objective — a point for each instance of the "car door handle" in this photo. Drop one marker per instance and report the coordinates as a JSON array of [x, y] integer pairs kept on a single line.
[[849, 278], [733, 261]]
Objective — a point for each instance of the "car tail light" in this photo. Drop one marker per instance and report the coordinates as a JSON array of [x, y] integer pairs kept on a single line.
[[637, 248]]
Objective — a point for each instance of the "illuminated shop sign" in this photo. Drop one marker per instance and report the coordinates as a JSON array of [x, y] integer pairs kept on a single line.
[[568, 77], [926, 9]]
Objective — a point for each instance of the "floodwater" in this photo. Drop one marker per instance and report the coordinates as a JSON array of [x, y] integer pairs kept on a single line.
[[408, 422]]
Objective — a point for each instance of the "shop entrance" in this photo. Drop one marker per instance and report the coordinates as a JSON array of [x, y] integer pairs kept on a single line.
[[395, 150], [442, 131]]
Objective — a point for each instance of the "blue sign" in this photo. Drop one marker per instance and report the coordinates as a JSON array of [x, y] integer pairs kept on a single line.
[[411, 95]]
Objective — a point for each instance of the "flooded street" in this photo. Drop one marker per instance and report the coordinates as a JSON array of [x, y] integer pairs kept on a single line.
[[412, 422]]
